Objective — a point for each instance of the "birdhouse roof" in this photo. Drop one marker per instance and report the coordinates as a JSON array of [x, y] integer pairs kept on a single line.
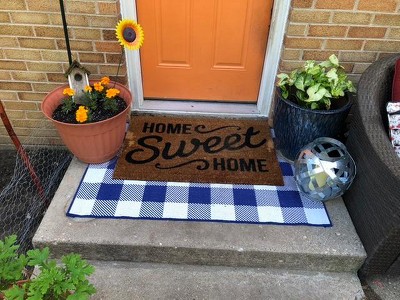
[[76, 65]]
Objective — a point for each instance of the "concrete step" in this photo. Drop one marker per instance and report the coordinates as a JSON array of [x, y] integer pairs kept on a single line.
[[127, 280], [334, 249]]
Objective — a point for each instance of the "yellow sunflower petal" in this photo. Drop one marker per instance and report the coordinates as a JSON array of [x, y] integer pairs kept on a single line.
[[130, 34]]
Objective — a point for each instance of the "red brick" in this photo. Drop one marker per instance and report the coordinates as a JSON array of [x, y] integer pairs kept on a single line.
[[13, 5], [342, 44], [18, 105], [16, 86], [91, 57], [112, 8], [335, 4], [108, 47], [327, 31], [318, 55], [357, 56], [352, 18], [386, 19], [379, 45], [302, 43], [296, 29], [367, 32], [16, 30], [12, 65], [302, 3], [378, 5], [305, 16]]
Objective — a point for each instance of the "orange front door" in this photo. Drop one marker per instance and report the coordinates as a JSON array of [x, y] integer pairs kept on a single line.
[[210, 50]]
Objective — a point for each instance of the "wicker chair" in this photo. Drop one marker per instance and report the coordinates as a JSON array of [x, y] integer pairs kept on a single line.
[[373, 200]]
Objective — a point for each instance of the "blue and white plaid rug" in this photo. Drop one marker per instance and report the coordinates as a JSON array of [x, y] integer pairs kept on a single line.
[[100, 196]]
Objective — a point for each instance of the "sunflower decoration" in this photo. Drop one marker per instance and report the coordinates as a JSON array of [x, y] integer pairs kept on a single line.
[[130, 34]]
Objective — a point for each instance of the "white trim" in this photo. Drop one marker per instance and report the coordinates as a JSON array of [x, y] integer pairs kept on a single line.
[[279, 19], [280, 15], [132, 58]]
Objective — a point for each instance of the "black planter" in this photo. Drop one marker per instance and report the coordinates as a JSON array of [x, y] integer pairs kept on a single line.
[[296, 126]]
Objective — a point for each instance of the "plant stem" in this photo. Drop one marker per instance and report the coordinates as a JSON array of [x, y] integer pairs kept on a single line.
[[119, 65]]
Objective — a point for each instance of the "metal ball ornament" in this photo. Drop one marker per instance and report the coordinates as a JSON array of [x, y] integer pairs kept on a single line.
[[324, 169]]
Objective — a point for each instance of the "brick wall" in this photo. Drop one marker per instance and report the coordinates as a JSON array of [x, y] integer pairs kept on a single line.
[[357, 31], [33, 57]]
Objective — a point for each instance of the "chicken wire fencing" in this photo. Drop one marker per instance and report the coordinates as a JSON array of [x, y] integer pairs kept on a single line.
[[37, 174]]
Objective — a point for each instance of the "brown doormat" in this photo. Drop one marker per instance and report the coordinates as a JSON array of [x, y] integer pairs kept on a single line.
[[205, 150]]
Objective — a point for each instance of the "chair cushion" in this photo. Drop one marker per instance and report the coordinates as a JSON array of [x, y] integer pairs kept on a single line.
[[396, 83]]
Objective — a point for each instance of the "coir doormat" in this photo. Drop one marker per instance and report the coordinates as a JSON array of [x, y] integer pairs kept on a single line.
[[202, 150]]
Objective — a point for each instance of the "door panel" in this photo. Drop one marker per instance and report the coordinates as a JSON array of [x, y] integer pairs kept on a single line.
[[210, 50]]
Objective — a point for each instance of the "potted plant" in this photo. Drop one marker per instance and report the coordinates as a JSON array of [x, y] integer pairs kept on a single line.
[[67, 280], [91, 118], [94, 129], [312, 102]]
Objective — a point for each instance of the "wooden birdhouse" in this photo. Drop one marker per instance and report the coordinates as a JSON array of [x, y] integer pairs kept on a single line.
[[78, 79]]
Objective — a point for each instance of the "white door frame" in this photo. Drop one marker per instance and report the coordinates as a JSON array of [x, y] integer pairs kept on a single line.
[[277, 30]]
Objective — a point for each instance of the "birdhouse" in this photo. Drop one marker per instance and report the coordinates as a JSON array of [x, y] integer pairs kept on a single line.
[[77, 79]]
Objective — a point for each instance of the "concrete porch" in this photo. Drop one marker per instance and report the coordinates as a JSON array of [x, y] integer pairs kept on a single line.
[[142, 259]]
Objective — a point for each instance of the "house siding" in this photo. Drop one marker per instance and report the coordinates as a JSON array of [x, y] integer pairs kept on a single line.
[[33, 54]]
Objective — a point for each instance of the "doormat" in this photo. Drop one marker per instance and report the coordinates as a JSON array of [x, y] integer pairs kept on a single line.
[[100, 196], [202, 150]]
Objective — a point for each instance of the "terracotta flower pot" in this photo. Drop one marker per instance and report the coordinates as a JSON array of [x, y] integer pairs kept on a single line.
[[92, 142]]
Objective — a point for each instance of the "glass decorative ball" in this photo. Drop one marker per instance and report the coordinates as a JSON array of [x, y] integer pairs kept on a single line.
[[324, 169]]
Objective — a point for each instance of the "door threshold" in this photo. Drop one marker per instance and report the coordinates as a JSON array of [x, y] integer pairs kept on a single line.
[[199, 108]]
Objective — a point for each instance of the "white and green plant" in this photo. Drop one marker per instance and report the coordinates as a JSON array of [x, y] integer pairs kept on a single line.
[[315, 86], [66, 280]]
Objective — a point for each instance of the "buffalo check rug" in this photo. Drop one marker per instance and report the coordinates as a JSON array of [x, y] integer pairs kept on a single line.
[[100, 196]]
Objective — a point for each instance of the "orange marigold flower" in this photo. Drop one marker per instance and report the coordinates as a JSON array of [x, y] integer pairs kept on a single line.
[[111, 93], [82, 114], [98, 87], [88, 88], [105, 81], [69, 92]]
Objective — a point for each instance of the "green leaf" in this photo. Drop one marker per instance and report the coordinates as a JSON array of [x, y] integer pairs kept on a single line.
[[38, 257], [299, 83], [334, 60], [309, 64], [283, 80], [15, 293], [314, 71], [12, 265], [337, 92], [327, 103], [77, 267], [282, 76], [315, 93], [301, 95], [316, 83], [332, 75], [86, 288], [326, 64], [350, 87]]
